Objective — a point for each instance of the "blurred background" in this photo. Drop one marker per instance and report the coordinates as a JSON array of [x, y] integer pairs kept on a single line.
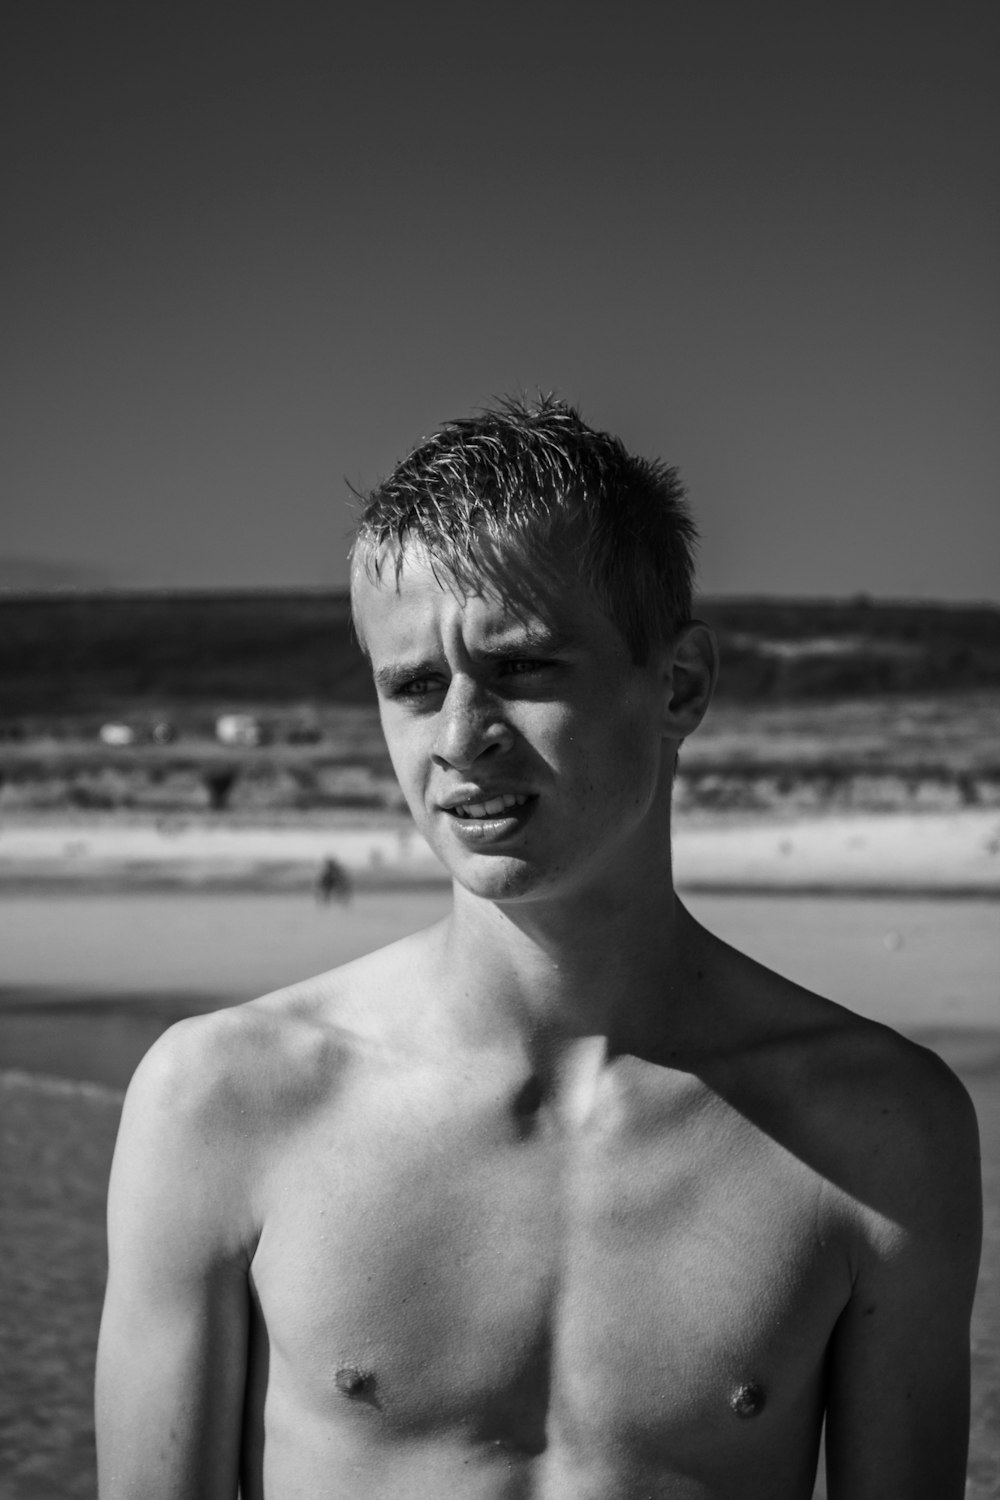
[[254, 253]]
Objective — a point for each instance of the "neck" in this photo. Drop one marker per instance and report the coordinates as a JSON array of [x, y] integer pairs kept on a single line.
[[603, 963]]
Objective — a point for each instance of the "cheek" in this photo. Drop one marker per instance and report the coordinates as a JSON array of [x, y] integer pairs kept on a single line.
[[618, 769], [635, 754], [407, 752]]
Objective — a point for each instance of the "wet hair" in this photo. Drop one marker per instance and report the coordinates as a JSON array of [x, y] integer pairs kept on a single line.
[[523, 495]]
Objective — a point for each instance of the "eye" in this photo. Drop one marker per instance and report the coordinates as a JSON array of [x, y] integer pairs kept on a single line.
[[416, 687], [521, 666]]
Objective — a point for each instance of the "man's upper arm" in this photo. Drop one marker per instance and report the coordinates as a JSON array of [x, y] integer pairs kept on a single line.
[[172, 1353], [898, 1390]]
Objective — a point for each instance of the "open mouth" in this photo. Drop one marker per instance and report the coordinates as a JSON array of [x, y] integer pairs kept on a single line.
[[495, 807], [494, 821]]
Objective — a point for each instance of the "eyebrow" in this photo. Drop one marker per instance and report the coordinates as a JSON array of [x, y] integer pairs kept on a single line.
[[527, 640], [525, 643], [402, 671]]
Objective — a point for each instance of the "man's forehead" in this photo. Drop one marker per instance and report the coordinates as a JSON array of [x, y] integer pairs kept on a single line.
[[510, 603]]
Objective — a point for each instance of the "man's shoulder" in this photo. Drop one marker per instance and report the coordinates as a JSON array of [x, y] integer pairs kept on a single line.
[[220, 1062], [872, 1110], [893, 1135], [282, 1052], [873, 1078], [219, 1100], [886, 1123], [887, 1090], [829, 1054]]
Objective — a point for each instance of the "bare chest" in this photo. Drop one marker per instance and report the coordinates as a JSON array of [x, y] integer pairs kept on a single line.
[[436, 1270]]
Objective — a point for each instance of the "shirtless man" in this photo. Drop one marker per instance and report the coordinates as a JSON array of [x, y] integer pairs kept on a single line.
[[563, 1198]]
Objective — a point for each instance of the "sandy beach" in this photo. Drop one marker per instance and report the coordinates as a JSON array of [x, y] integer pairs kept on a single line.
[[954, 853]]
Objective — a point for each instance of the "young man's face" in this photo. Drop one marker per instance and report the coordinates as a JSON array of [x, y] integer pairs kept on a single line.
[[529, 746]]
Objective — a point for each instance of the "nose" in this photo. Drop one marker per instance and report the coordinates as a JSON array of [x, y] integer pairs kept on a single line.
[[470, 725]]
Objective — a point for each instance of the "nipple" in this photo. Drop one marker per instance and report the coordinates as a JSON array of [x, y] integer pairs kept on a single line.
[[748, 1400], [351, 1381]]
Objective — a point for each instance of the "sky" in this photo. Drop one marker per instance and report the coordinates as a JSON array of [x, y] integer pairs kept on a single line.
[[254, 252]]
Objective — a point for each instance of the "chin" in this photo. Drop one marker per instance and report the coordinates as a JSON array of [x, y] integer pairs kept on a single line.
[[495, 879], [492, 877], [507, 879]]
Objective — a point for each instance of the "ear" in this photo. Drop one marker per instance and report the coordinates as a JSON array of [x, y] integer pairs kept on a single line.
[[691, 671]]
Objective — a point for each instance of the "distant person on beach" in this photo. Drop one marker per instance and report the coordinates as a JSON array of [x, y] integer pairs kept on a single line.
[[332, 883], [562, 1197]]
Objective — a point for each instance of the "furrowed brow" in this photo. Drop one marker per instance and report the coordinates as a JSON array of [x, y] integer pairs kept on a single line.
[[529, 642], [396, 673]]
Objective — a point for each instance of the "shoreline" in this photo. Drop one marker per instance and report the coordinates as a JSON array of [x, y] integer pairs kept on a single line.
[[89, 984], [953, 854]]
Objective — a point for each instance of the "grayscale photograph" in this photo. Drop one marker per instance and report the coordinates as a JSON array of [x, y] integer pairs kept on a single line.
[[500, 751]]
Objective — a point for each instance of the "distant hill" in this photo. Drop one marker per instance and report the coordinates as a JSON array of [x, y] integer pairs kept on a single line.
[[80, 652], [69, 653], [783, 650]]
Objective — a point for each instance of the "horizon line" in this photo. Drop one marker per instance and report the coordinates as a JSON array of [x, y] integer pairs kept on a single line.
[[859, 599]]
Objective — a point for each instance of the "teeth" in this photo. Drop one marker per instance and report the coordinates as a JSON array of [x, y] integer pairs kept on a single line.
[[490, 809]]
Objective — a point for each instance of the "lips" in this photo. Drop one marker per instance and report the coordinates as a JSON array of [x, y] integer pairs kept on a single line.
[[488, 824], [489, 807]]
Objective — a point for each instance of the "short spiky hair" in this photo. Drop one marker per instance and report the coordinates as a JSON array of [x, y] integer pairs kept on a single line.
[[534, 487]]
